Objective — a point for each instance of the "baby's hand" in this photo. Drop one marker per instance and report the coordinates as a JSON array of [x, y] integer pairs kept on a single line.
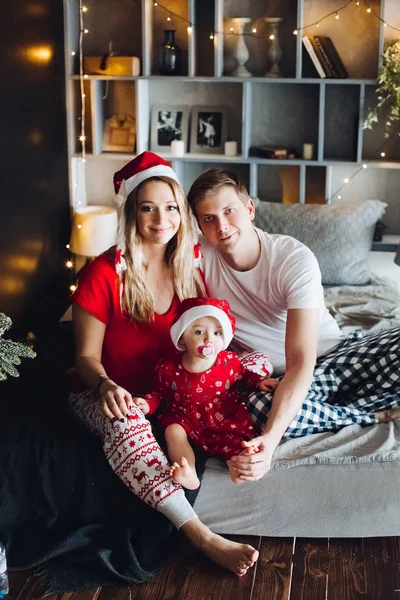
[[142, 404], [268, 385]]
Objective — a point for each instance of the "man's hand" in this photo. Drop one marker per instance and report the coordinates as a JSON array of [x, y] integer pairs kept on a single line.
[[142, 404], [255, 459]]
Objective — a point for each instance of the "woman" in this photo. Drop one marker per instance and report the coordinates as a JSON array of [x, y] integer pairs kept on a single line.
[[123, 309]]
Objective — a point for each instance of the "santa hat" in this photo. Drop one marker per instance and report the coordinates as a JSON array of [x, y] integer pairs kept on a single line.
[[195, 308], [142, 167]]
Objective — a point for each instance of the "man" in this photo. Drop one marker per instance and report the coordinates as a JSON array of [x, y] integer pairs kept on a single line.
[[273, 284]]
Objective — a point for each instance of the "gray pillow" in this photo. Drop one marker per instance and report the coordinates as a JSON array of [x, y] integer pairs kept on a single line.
[[339, 235]]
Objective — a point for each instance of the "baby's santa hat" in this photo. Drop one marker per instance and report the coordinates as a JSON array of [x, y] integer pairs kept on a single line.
[[195, 308], [142, 167]]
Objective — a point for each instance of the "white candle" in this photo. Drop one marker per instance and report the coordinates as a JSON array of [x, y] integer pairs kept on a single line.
[[308, 150], [230, 148], [177, 148]]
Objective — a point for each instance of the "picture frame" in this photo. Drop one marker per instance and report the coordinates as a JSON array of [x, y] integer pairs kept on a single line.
[[119, 134], [168, 123], [209, 127]]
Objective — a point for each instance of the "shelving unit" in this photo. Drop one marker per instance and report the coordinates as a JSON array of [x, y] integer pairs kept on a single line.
[[288, 111]]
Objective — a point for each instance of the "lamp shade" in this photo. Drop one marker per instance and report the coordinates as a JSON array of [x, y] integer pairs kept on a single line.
[[94, 230], [397, 257]]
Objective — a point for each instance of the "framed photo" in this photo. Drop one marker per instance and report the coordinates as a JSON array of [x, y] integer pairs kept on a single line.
[[168, 123], [209, 127], [119, 134]]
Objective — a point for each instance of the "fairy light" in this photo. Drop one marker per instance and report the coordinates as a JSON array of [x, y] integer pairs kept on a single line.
[[271, 37], [252, 33], [85, 9], [363, 167], [69, 264], [73, 287], [73, 53], [67, 246]]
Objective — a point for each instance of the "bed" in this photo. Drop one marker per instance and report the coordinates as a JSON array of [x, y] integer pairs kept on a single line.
[[344, 484]]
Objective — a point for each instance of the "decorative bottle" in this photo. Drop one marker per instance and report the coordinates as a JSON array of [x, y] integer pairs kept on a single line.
[[3, 572], [169, 58]]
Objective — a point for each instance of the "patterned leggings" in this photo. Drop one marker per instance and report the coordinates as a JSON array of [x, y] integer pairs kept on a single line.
[[136, 458], [360, 377]]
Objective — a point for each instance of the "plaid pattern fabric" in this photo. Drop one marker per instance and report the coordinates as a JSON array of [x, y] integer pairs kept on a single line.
[[361, 376]]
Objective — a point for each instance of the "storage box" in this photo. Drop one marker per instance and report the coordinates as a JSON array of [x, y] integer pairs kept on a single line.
[[115, 65]]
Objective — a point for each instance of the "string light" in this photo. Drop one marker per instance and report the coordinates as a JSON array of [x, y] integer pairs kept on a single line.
[[296, 31], [364, 166], [69, 264]]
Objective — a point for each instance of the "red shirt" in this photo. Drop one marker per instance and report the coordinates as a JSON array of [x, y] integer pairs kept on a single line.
[[131, 350]]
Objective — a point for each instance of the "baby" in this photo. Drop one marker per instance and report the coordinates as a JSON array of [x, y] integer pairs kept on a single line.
[[199, 389]]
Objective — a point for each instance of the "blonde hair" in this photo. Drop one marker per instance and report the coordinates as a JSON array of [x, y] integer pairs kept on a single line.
[[136, 300], [211, 181]]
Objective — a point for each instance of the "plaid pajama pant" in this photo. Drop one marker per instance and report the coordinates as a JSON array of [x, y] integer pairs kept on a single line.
[[359, 377]]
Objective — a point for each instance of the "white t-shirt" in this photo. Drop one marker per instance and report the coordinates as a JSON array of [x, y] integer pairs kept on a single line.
[[286, 276]]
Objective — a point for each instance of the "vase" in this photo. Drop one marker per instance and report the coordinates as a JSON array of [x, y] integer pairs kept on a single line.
[[169, 58], [241, 53], [274, 51]]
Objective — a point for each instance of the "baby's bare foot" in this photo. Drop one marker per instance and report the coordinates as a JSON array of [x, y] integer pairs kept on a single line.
[[183, 473]]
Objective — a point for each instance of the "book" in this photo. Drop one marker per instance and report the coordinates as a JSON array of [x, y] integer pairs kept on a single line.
[[324, 58], [274, 152], [332, 55], [315, 59]]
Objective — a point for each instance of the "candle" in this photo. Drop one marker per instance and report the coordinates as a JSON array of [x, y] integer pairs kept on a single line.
[[308, 150], [177, 148], [230, 148]]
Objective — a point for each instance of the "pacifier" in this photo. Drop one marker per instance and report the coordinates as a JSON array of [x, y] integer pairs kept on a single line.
[[206, 351]]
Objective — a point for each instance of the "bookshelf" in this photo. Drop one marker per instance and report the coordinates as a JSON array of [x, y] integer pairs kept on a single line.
[[298, 108]]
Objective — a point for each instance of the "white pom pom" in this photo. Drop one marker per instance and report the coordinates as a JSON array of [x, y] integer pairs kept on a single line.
[[118, 200]]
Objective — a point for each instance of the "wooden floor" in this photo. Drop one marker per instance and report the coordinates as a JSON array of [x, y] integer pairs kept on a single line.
[[295, 569]]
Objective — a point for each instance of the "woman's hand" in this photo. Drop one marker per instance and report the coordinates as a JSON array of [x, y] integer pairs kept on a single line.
[[142, 404], [268, 385], [115, 401]]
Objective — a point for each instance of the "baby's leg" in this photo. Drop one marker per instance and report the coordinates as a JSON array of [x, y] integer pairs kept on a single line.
[[183, 469]]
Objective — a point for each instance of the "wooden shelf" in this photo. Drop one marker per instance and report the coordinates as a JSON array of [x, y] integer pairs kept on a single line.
[[287, 111]]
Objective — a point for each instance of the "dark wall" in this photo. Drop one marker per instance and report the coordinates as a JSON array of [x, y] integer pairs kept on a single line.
[[34, 213]]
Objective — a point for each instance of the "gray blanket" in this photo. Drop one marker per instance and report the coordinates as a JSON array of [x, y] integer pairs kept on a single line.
[[370, 308]]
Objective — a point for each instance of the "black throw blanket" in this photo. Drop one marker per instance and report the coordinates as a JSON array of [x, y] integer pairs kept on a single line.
[[62, 509]]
